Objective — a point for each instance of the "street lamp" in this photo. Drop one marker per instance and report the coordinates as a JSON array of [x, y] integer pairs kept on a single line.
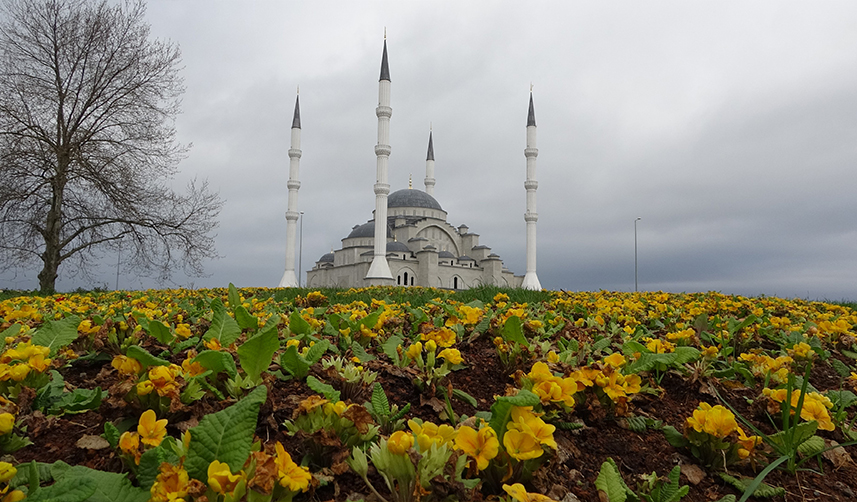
[[635, 252], [301, 252]]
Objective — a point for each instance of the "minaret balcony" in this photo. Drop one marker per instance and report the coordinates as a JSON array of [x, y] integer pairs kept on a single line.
[[531, 185], [294, 153], [531, 152]]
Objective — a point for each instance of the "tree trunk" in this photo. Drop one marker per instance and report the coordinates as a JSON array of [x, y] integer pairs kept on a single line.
[[51, 258]]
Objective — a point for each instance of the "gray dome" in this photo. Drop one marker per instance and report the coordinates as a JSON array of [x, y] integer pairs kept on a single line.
[[445, 254], [326, 258], [409, 197], [367, 230], [397, 247]]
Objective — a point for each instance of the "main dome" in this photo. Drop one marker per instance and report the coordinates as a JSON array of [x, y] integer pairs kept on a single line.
[[409, 197]]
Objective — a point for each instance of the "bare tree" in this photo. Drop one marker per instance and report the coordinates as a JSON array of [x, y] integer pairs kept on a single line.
[[87, 143]]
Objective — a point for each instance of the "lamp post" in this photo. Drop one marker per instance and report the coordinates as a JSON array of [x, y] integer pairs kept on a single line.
[[635, 252], [301, 252]]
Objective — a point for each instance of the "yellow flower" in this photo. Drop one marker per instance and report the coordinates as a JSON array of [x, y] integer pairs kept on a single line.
[[19, 372], [163, 380], [213, 344], [524, 420], [521, 445], [145, 387], [129, 442], [171, 485], [549, 390], [453, 356], [7, 471], [519, 493], [553, 357], [151, 430], [715, 420], [813, 409], [431, 346], [540, 373], [429, 433], [221, 479], [443, 337], [415, 350], [801, 351], [482, 445], [126, 365], [400, 442], [312, 403], [290, 474], [183, 330], [13, 496], [337, 408], [615, 359], [7, 422]]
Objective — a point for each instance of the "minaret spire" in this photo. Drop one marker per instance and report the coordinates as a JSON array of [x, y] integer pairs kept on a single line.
[[290, 280], [379, 271], [531, 280], [430, 181]]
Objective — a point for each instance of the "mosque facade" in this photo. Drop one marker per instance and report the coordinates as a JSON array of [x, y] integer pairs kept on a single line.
[[409, 241]]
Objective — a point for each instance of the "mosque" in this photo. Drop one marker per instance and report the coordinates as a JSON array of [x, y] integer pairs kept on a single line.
[[409, 241]]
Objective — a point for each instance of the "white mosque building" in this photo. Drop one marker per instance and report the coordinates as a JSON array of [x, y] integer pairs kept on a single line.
[[409, 241]]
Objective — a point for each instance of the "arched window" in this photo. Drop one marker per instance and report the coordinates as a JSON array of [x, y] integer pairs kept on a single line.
[[406, 278], [455, 283], [399, 280], [412, 280]]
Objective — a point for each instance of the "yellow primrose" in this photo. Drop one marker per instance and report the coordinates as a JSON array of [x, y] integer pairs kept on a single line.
[[7, 422], [415, 350], [452, 356], [549, 390], [482, 446], [521, 445], [183, 330], [519, 493], [400, 442], [552, 357], [527, 422], [221, 479], [290, 475], [7, 471], [145, 387], [312, 403], [151, 430], [429, 433], [171, 485], [801, 351], [126, 365], [337, 408], [540, 373], [615, 359]]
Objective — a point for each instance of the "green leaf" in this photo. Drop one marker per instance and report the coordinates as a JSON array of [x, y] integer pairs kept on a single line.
[[360, 352], [841, 368], [322, 388], [611, 483], [601, 344], [763, 490], [685, 355], [233, 297], [68, 489], [294, 363], [501, 410], [161, 332], [217, 361], [389, 348], [223, 327], [298, 325], [812, 446], [672, 492], [111, 434], [842, 398], [244, 318], [145, 358], [513, 331], [467, 398], [77, 401], [380, 404], [109, 487], [57, 334], [257, 352], [674, 437], [226, 436], [316, 351]]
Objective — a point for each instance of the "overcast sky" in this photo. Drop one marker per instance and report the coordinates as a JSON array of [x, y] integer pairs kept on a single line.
[[730, 128]]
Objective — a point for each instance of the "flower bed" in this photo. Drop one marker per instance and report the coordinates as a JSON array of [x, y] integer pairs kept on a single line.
[[420, 394]]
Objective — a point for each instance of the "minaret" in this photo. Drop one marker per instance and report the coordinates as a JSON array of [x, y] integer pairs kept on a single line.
[[430, 168], [379, 270], [531, 280], [289, 279]]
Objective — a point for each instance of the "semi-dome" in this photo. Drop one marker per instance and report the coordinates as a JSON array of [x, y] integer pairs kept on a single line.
[[409, 197], [326, 258], [397, 247], [367, 230]]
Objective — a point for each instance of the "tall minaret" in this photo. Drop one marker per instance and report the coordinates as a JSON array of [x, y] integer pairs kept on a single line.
[[289, 279], [379, 270], [430, 167], [531, 280]]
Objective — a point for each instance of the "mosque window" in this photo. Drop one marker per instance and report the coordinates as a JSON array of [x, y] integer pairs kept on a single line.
[[455, 283]]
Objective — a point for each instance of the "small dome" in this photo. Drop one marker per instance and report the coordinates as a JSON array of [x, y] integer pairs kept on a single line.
[[412, 198], [397, 247], [367, 230], [326, 258], [446, 254]]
